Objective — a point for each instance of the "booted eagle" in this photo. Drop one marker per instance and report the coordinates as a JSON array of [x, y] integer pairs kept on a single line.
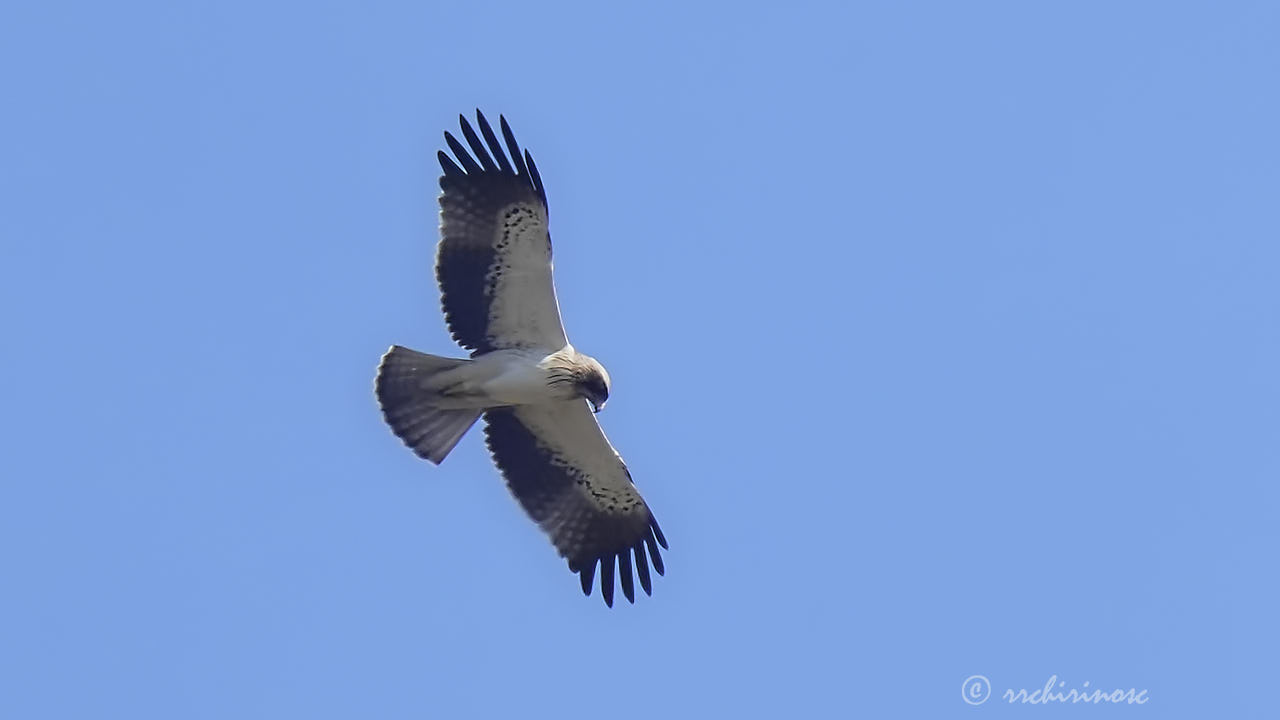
[[538, 394]]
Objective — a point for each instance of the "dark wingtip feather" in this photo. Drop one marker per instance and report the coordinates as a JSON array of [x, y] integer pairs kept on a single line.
[[642, 568], [587, 575], [535, 177], [513, 146], [477, 147], [658, 531], [624, 574], [503, 163], [606, 580], [654, 555], [464, 157], [447, 164]]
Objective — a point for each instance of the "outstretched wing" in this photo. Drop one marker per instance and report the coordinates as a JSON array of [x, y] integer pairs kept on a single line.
[[567, 476], [494, 259]]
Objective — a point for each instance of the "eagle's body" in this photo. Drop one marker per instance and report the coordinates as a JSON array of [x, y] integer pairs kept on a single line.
[[533, 388], [504, 377]]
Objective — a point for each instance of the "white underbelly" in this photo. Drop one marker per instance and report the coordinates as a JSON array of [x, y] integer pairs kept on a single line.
[[518, 379]]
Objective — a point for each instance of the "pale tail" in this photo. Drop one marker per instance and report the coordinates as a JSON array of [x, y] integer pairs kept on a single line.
[[407, 406]]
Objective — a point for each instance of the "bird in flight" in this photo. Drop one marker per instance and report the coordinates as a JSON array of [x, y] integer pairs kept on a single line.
[[539, 396]]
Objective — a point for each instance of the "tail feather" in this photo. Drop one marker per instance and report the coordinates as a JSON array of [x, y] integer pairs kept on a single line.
[[408, 405]]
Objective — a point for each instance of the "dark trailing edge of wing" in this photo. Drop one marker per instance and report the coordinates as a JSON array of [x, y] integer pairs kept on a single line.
[[478, 180], [584, 534]]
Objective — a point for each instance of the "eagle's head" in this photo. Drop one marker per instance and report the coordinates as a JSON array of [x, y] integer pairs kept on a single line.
[[593, 383]]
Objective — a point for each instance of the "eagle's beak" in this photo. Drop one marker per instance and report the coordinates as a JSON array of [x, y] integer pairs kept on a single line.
[[596, 408]]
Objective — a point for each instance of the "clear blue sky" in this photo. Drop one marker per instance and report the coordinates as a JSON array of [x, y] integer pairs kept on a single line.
[[944, 339]]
